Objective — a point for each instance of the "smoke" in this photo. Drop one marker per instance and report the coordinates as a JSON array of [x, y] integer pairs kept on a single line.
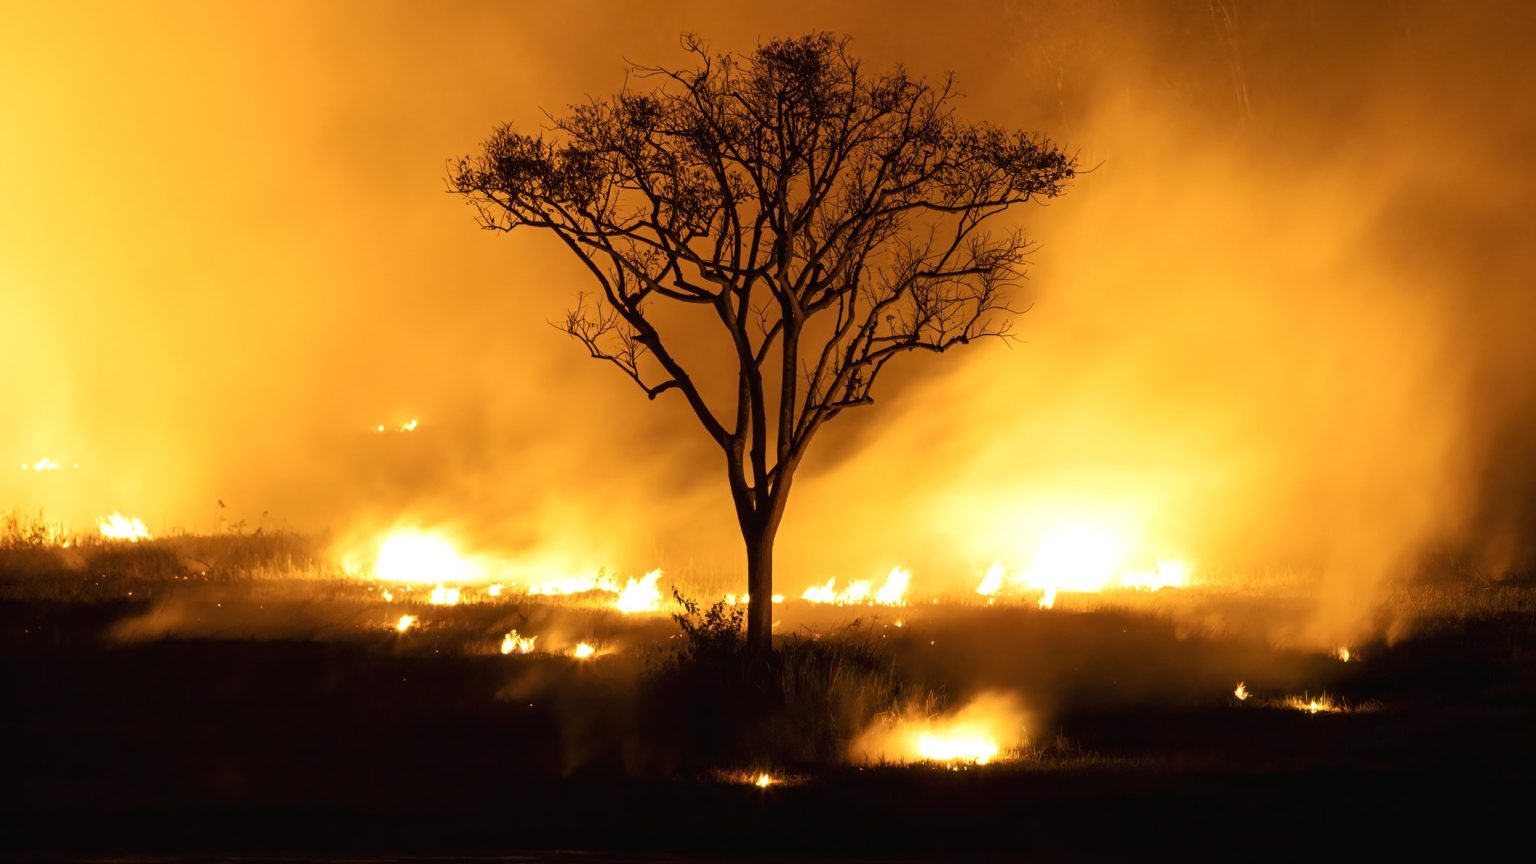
[[1280, 321]]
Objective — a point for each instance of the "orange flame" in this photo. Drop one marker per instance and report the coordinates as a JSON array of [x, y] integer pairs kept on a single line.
[[981, 732], [512, 643], [411, 555], [890, 593], [120, 527], [443, 596]]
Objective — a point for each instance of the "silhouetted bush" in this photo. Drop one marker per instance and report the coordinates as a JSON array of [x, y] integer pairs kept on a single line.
[[713, 704]]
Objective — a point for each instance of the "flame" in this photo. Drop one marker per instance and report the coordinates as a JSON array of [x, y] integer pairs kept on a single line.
[[1085, 558], [442, 596], [744, 599], [495, 590], [763, 781], [977, 734], [1343, 654], [636, 595], [992, 582], [583, 651], [515, 644], [895, 587], [120, 527], [1168, 574], [890, 593], [1241, 692], [828, 593], [410, 555], [409, 427], [953, 747], [567, 585], [642, 595], [1076, 558], [405, 623], [43, 464], [1323, 704]]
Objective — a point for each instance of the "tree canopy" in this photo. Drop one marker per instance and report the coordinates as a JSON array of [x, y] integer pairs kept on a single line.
[[830, 219]]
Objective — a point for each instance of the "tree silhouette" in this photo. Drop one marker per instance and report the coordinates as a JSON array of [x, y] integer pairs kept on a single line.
[[828, 219]]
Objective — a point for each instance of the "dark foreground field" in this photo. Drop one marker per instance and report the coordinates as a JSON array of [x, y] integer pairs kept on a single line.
[[216, 713]]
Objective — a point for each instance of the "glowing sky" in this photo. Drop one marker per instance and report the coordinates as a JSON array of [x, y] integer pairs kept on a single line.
[[1284, 317]]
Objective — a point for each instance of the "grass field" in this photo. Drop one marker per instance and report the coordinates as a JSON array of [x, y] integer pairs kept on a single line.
[[239, 695]]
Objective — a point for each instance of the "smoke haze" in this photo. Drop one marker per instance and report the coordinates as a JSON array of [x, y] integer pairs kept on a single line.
[[1283, 319]]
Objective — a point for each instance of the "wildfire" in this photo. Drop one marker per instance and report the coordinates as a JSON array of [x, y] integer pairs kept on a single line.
[[405, 623], [895, 587], [1084, 559], [43, 464], [442, 596], [978, 734], [1168, 574], [512, 643], [409, 555], [744, 599], [636, 595], [120, 527], [583, 651], [977, 749], [641, 595], [992, 582], [574, 585], [1313, 704], [1343, 654], [1076, 558], [890, 593], [763, 781], [1241, 692]]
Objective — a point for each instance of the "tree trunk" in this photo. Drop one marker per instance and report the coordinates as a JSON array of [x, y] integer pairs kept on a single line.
[[760, 587]]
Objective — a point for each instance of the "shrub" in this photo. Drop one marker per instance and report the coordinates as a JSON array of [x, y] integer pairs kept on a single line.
[[712, 704]]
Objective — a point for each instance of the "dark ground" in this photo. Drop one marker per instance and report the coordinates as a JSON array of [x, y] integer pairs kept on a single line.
[[303, 737]]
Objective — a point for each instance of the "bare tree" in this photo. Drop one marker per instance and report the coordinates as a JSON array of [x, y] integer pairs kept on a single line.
[[829, 220]]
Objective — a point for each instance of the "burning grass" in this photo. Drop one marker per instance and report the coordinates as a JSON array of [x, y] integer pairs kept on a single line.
[[952, 717], [842, 678], [891, 592], [986, 729]]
